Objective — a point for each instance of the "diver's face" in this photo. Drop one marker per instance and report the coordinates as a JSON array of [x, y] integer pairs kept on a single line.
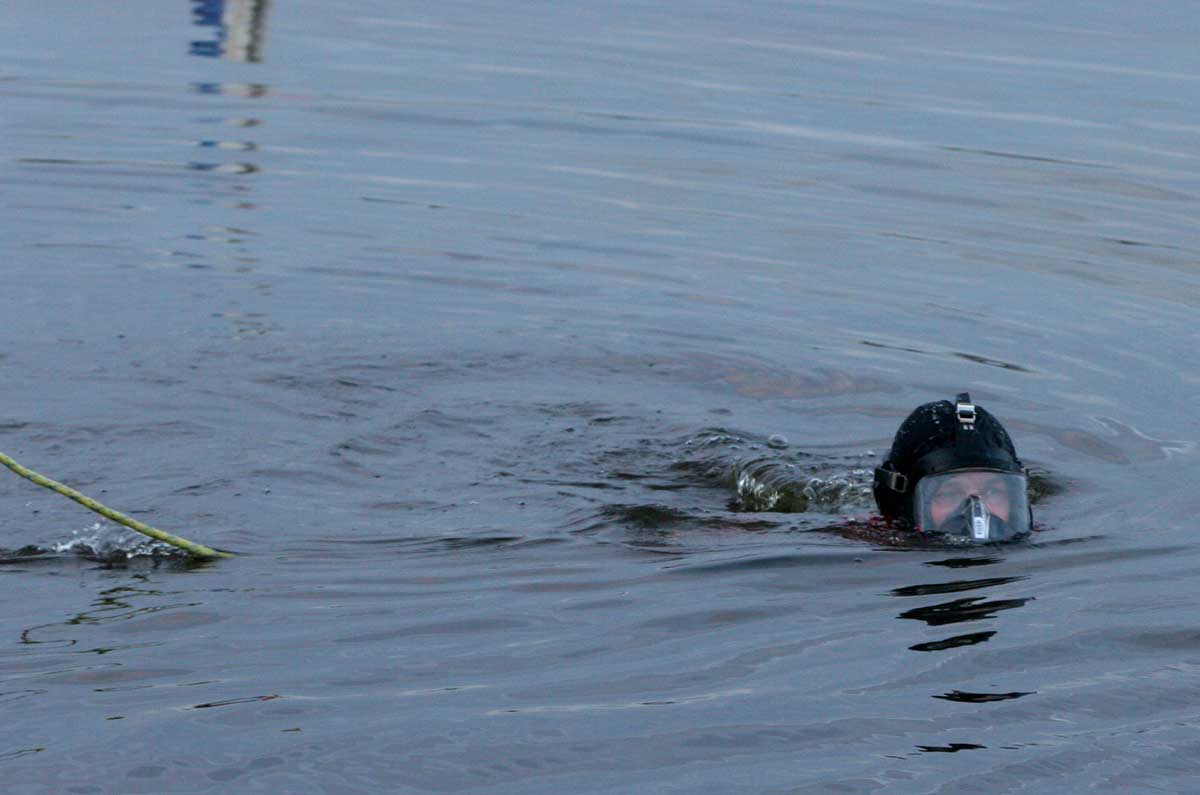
[[987, 486]]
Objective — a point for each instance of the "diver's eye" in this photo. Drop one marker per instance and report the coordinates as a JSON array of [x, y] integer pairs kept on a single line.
[[951, 496], [994, 491]]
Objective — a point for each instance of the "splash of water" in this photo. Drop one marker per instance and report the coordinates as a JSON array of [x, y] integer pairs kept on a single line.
[[106, 543], [769, 476], [768, 484]]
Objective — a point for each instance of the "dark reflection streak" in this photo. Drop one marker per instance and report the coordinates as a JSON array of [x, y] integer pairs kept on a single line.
[[19, 753], [954, 642], [963, 563], [949, 749], [227, 702], [970, 357], [1018, 156], [1106, 555], [952, 587], [982, 698], [960, 610]]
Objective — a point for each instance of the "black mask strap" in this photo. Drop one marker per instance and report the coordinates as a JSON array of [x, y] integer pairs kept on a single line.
[[891, 479]]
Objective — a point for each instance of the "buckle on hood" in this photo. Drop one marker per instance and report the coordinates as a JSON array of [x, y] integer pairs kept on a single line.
[[896, 481], [964, 409]]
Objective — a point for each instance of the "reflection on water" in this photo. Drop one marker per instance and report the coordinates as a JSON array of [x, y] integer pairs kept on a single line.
[[951, 748], [249, 90], [972, 608], [970, 639], [239, 28], [981, 698], [235, 194], [956, 611], [239, 167]]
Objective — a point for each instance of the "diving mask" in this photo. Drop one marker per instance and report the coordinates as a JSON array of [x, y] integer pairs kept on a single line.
[[980, 505]]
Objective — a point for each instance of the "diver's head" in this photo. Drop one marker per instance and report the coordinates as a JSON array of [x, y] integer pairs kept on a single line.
[[953, 470]]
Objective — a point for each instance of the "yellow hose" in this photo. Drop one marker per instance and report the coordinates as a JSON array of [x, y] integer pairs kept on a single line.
[[199, 550]]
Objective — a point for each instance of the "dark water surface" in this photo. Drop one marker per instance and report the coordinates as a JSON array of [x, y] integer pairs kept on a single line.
[[469, 327]]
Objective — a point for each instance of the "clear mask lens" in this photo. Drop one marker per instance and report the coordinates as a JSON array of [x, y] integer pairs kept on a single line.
[[981, 505]]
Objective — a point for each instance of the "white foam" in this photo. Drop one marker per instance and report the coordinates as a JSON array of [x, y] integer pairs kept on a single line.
[[108, 542]]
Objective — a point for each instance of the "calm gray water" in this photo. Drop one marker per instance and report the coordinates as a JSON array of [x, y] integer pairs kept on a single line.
[[461, 323]]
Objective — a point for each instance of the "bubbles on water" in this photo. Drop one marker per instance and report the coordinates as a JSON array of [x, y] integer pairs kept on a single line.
[[110, 545], [772, 485], [791, 482]]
